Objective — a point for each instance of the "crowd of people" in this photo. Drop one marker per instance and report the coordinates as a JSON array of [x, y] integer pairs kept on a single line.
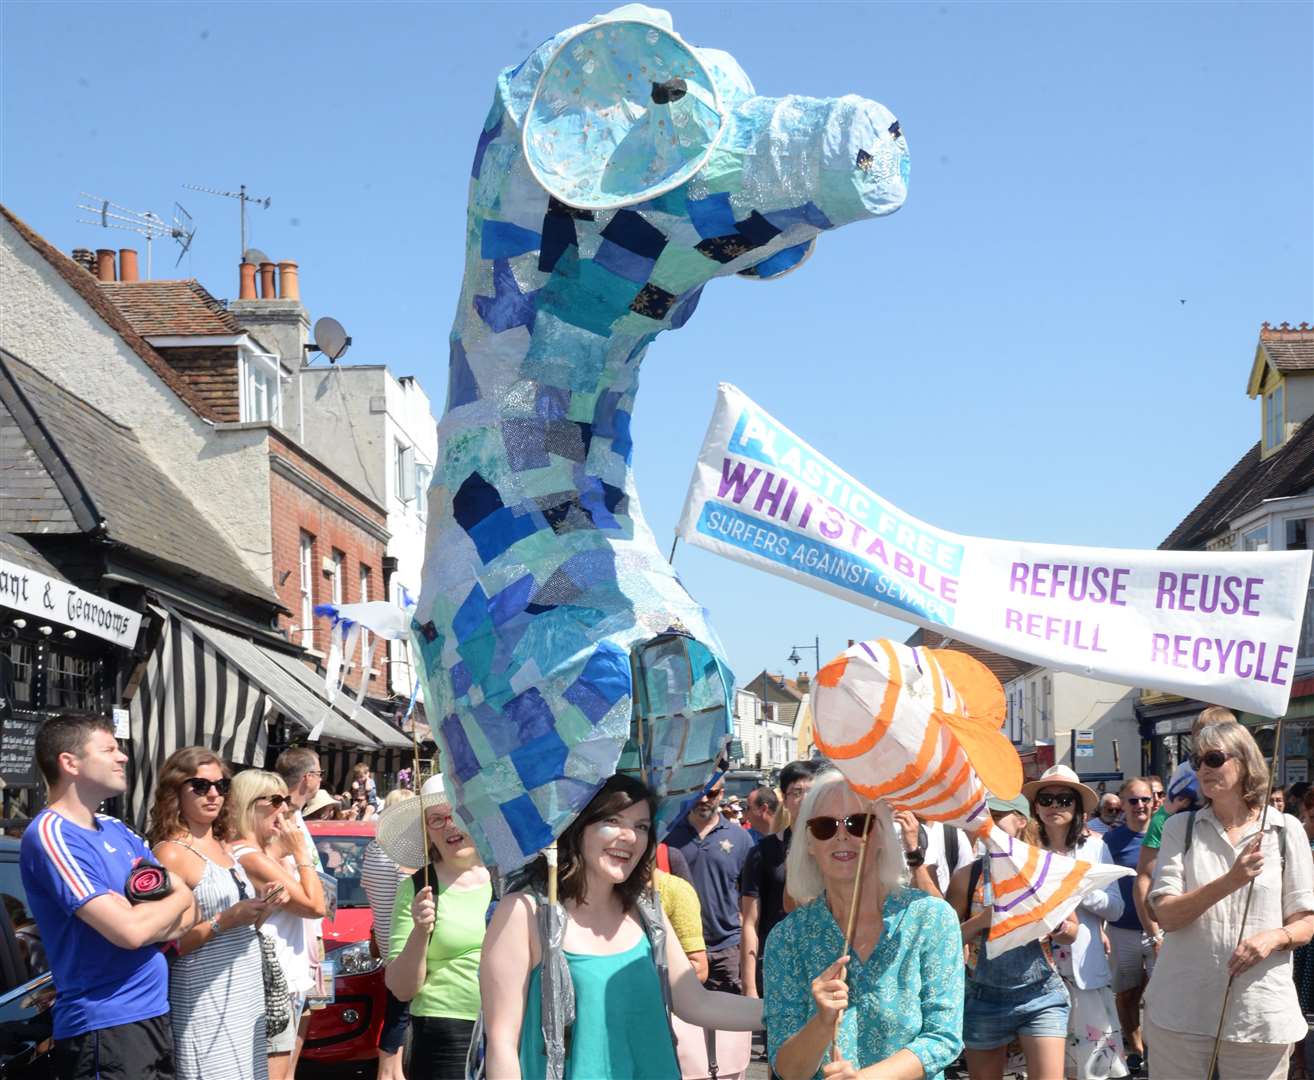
[[196, 951]]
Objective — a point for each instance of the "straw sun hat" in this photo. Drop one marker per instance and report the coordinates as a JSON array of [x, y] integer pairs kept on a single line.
[[1062, 776], [400, 833]]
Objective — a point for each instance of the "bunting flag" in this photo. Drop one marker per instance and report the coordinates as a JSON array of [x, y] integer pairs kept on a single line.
[[921, 729]]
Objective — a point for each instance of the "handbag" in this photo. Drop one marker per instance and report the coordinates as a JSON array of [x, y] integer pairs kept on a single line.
[[278, 1004]]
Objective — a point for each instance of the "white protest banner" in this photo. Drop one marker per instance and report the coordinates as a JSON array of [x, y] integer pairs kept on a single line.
[[1218, 626], [44, 597]]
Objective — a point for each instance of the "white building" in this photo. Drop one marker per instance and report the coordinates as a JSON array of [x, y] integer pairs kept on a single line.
[[1048, 706], [378, 433], [766, 728]]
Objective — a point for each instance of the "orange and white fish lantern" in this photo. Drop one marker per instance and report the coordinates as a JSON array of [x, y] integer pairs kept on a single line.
[[921, 729]]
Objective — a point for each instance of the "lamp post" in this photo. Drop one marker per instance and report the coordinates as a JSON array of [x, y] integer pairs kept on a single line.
[[794, 657]]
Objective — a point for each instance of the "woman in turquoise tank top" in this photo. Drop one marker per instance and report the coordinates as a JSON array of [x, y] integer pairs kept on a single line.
[[621, 1030]]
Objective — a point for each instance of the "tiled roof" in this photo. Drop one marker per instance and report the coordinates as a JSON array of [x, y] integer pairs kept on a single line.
[[84, 284], [133, 502], [1288, 471], [785, 687], [1289, 356], [1004, 668], [171, 308], [17, 550], [1289, 348]]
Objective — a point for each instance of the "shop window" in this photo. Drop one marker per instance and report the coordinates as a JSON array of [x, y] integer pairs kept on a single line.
[[70, 682], [1300, 537], [21, 661]]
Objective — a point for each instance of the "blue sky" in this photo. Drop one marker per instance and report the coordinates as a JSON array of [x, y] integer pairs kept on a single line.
[[1009, 355]]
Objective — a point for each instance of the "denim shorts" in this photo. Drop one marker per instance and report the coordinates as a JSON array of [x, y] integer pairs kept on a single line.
[[991, 1017]]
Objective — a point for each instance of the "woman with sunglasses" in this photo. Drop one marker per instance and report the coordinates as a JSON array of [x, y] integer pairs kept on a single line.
[[1060, 805], [274, 851], [1206, 864], [1017, 994], [903, 975], [216, 1008], [621, 985]]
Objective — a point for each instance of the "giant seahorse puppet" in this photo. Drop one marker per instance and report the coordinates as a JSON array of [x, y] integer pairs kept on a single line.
[[920, 729], [619, 170]]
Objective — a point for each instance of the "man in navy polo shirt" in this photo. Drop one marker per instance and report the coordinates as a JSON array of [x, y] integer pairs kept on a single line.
[[715, 850], [111, 979]]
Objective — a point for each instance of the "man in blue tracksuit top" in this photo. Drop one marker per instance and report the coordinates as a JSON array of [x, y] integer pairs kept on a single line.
[[111, 979]]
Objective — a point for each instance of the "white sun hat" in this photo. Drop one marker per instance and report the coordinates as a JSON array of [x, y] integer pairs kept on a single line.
[[401, 834]]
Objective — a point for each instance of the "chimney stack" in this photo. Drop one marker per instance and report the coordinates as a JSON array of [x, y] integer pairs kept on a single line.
[[288, 286], [802, 680], [267, 281], [85, 258], [105, 264], [247, 288], [128, 265]]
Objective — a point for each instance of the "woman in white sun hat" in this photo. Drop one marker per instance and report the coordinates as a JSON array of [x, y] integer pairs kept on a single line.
[[1060, 804], [438, 922]]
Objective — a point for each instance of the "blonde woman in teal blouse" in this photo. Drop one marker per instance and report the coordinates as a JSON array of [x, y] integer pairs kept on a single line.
[[901, 1011]]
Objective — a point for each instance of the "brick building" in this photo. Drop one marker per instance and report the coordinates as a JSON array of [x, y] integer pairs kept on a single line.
[[192, 431], [328, 538]]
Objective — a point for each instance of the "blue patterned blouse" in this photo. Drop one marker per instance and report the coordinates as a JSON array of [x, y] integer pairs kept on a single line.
[[909, 993]]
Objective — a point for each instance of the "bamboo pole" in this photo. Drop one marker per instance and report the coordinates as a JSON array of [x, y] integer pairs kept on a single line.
[[849, 924], [550, 854]]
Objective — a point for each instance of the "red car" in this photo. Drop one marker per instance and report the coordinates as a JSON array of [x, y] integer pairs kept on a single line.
[[344, 1037]]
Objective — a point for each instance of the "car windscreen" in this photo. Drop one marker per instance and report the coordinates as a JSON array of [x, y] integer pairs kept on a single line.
[[14, 898], [341, 857]]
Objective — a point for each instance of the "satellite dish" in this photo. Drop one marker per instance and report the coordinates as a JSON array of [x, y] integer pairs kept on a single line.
[[330, 338], [255, 256]]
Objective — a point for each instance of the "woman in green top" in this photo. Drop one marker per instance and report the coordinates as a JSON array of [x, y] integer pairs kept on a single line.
[[437, 930], [620, 1028]]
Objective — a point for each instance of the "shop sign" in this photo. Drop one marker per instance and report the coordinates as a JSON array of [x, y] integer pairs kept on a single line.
[[17, 735], [43, 597]]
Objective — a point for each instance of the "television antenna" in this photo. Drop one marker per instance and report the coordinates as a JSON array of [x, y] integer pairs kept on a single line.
[[241, 196], [147, 223]]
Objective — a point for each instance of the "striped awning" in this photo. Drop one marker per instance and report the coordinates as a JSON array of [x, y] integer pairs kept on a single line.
[[191, 695], [205, 686]]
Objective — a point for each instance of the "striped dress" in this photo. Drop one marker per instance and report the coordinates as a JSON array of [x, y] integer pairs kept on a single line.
[[379, 877], [217, 993]]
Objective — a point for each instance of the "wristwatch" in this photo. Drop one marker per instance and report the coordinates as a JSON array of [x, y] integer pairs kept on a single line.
[[214, 924], [915, 858]]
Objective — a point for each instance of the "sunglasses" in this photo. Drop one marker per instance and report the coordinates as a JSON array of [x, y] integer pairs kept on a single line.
[[1063, 802], [1213, 758], [200, 787], [276, 801], [823, 828], [1137, 800]]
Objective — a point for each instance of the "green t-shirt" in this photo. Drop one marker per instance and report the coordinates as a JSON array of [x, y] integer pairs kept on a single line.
[[451, 981], [1155, 830]]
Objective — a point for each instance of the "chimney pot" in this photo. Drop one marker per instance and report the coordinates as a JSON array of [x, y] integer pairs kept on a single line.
[[128, 265], [267, 281], [105, 264], [247, 287], [85, 258], [289, 288]]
